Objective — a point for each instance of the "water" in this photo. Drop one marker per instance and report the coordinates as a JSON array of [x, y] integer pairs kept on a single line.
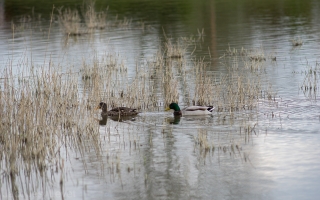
[[156, 156]]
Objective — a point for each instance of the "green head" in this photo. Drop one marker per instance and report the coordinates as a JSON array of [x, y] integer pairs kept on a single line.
[[174, 106]]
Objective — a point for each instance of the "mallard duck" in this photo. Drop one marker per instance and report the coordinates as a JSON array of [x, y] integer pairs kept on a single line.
[[191, 110], [118, 111]]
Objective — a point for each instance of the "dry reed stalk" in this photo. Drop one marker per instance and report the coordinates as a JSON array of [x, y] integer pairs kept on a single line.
[[175, 50], [204, 89], [241, 87], [70, 22], [257, 55], [94, 19], [202, 141], [309, 86], [124, 23]]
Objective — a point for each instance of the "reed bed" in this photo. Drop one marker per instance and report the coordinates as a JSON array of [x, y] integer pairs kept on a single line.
[[237, 90], [107, 80], [42, 119]]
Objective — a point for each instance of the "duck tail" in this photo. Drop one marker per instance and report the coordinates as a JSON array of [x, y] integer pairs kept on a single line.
[[210, 108]]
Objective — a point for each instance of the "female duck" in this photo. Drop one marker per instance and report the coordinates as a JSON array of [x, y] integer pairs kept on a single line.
[[191, 110], [118, 111]]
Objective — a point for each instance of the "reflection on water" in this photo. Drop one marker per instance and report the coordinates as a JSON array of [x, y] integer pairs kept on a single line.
[[174, 120], [270, 152], [103, 121]]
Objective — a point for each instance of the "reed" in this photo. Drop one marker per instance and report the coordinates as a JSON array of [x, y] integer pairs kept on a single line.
[[202, 141], [309, 86], [220, 144], [204, 90], [94, 19], [73, 24], [175, 50], [257, 55]]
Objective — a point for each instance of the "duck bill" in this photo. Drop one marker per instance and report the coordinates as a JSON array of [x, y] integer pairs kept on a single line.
[[98, 108], [167, 109]]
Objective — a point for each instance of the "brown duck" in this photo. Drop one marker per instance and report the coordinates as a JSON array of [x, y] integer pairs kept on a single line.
[[118, 111]]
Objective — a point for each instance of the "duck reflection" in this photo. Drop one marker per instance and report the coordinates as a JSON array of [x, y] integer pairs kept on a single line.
[[174, 120], [122, 118], [103, 121]]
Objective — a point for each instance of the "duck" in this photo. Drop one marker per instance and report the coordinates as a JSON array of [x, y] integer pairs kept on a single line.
[[191, 110], [118, 111]]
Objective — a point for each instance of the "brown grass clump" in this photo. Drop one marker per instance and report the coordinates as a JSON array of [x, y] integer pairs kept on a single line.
[[93, 19], [176, 50], [70, 22]]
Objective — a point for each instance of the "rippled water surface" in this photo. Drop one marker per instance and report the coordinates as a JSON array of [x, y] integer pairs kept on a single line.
[[269, 153]]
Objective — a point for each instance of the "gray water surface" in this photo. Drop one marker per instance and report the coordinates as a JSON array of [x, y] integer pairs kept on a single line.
[[155, 157]]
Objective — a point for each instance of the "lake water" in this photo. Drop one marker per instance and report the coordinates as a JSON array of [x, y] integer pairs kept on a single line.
[[270, 153]]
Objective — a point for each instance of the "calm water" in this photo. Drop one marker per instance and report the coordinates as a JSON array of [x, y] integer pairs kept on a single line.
[[280, 160]]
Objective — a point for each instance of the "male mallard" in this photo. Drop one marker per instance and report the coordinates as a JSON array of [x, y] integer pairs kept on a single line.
[[191, 110], [118, 111]]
